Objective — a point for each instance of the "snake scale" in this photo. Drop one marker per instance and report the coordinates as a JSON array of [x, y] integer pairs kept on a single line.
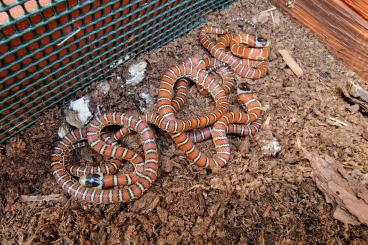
[[241, 54]]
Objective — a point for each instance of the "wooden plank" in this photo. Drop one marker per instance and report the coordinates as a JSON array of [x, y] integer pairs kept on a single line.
[[342, 28], [359, 6]]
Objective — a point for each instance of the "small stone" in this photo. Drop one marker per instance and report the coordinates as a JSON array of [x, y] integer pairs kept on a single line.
[[354, 108], [272, 148], [104, 87], [78, 113], [136, 73]]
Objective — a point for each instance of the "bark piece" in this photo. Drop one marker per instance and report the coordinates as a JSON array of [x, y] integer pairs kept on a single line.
[[355, 94], [290, 61], [348, 196]]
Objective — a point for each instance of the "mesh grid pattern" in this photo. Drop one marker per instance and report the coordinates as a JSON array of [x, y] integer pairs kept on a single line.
[[51, 49]]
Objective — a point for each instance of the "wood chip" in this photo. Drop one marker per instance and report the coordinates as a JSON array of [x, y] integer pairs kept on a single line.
[[355, 94], [358, 92], [349, 197], [365, 134], [262, 17], [336, 122], [268, 10], [276, 18], [146, 204], [52, 197], [273, 21], [289, 60], [269, 143]]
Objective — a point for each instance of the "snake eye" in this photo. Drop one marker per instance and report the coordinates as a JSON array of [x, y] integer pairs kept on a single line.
[[243, 87], [261, 40]]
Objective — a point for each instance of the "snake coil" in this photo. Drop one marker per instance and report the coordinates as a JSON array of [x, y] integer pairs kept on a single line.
[[241, 54]]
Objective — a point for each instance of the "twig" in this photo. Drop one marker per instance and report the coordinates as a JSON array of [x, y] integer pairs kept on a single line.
[[338, 121], [198, 186], [268, 10], [298, 144], [68, 37], [52, 197], [17, 125], [289, 60], [267, 122], [273, 20]]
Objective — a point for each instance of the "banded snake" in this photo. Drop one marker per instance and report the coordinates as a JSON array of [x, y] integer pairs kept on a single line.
[[107, 185]]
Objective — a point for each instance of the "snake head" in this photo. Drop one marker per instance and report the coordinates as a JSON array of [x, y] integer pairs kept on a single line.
[[94, 180], [262, 42], [243, 88]]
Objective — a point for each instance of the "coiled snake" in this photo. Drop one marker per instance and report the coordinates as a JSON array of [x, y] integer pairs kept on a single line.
[[105, 184]]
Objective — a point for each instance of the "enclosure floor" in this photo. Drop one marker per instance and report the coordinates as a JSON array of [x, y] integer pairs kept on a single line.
[[254, 199]]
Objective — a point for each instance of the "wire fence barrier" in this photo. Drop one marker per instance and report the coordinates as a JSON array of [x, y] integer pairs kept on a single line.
[[50, 49]]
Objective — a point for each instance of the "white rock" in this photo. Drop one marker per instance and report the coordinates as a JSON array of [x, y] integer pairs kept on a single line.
[[104, 86], [272, 147], [148, 99], [78, 114], [137, 73]]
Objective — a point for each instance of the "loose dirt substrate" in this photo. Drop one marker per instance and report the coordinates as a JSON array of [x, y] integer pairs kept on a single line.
[[255, 199]]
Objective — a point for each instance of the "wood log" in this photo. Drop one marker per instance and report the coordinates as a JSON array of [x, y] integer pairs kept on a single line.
[[341, 24]]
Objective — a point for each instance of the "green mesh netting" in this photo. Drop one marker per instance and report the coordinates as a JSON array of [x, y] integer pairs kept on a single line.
[[51, 49]]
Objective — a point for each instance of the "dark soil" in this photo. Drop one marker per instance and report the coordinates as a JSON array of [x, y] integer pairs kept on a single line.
[[255, 199]]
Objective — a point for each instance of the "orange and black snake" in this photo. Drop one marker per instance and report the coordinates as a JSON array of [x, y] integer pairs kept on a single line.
[[173, 91], [133, 185], [246, 61]]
